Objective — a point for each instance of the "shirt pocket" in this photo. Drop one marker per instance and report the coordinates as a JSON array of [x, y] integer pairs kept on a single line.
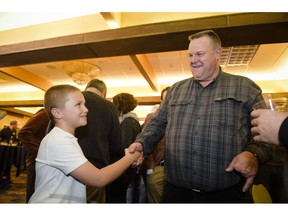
[[228, 110], [179, 111], [181, 100], [178, 106]]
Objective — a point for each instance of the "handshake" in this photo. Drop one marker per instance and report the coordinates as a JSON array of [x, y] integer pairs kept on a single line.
[[136, 151]]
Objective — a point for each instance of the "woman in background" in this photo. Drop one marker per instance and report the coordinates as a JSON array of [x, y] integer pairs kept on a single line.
[[125, 189]]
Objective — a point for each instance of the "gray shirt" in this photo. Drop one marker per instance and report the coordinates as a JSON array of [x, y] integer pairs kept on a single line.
[[205, 127]]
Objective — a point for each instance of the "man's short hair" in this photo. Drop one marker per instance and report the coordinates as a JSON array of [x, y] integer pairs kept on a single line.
[[210, 33], [98, 84], [164, 90], [13, 122]]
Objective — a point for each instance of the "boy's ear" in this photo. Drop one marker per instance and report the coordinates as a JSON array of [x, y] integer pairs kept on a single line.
[[56, 113]]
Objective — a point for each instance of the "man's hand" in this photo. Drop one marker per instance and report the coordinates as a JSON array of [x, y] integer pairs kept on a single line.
[[136, 147], [247, 165], [266, 124]]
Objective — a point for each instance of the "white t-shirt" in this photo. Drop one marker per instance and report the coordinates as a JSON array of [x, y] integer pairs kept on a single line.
[[59, 154]]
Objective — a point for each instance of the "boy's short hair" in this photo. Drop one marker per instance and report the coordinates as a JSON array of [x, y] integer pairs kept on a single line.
[[56, 97]]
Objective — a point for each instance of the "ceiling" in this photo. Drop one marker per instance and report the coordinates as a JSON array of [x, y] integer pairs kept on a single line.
[[140, 53]]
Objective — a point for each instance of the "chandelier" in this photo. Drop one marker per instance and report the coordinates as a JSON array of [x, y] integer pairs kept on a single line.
[[81, 72]]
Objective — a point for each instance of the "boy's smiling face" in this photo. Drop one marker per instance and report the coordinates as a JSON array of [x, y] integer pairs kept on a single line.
[[74, 112]]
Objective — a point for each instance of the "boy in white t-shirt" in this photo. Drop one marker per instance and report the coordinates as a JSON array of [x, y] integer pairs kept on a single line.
[[62, 171]]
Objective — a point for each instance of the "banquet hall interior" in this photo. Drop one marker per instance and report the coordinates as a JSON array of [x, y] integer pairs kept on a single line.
[[135, 52]]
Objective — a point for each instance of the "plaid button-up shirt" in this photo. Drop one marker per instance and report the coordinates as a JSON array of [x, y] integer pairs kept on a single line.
[[205, 127]]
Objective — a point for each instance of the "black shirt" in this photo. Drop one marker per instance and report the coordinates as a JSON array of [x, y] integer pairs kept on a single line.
[[100, 139], [7, 134]]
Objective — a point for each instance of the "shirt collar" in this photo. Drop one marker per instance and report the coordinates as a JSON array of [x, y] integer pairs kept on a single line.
[[215, 80]]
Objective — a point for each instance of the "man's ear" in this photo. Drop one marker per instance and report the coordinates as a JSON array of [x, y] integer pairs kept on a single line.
[[218, 53], [56, 113]]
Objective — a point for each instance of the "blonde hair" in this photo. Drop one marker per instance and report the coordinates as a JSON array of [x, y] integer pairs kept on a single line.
[[56, 97]]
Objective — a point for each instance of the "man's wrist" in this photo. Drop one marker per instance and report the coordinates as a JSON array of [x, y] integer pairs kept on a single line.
[[256, 156]]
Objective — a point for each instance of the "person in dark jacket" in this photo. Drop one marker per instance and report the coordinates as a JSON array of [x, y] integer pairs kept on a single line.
[[271, 127], [100, 139], [126, 188], [9, 134]]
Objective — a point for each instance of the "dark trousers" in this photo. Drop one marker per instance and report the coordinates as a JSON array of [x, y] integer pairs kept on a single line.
[[174, 194], [273, 178], [7, 174], [116, 191], [30, 182]]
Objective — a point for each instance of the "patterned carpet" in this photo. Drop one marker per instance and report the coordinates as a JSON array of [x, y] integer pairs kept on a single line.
[[15, 192]]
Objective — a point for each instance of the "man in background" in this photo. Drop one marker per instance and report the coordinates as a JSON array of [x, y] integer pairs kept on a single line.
[[9, 134], [153, 165], [100, 139], [30, 136]]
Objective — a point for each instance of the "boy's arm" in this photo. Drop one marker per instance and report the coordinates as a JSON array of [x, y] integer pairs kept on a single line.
[[88, 174]]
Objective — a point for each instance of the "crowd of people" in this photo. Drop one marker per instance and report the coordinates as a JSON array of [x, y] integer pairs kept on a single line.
[[203, 144]]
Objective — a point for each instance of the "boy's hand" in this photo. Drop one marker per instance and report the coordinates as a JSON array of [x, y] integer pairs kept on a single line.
[[137, 147], [137, 157]]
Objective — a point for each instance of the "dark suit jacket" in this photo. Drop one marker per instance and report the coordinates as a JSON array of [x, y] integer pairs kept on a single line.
[[100, 139]]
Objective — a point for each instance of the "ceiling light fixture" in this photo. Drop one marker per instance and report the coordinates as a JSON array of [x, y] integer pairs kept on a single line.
[[81, 72], [238, 55]]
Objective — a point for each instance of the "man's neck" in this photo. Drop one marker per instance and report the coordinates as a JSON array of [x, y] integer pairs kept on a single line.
[[95, 90], [205, 83]]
